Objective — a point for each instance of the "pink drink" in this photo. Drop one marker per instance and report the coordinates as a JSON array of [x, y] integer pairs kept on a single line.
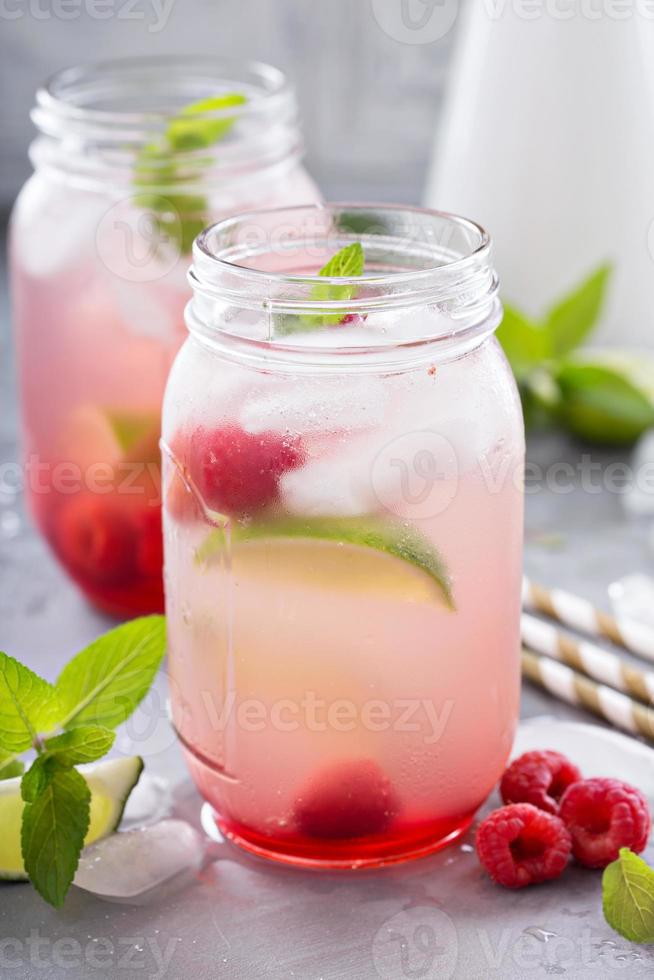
[[99, 265], [343, 554]]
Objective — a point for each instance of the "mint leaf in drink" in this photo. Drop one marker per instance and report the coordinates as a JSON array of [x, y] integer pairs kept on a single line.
[[180, 215], [186, 133], [628, 897], [28, 704], [574, 317], [10, 767], [348, 263], [104, 683], [602, 404], [53, 831]]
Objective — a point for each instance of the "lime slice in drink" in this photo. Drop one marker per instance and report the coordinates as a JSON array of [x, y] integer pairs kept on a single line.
[[349, 554], [110, 783], [97, 435]]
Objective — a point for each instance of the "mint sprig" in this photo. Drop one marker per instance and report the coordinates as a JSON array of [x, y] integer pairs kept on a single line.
[[348, 263], [593, 397], [68, 724], [628, 897], [180, 216]]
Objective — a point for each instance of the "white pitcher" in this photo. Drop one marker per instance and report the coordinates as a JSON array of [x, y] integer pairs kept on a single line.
[[548, 140]]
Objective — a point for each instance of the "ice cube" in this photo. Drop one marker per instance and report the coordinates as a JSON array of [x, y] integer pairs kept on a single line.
[[135, 864], [632, 597], [332, 404], [149, 802], [327, 488], [638, 500], [153, 310], [56, 230]]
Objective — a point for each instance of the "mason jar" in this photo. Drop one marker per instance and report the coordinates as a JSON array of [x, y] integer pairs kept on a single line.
[[132, 159], [343, 467]]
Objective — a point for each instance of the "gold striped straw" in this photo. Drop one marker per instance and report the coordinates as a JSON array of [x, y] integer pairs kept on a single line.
[[581, 615], [569, 686], [588, 658]]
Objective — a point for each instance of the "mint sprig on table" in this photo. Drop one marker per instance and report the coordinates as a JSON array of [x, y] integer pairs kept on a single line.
[[68, 724], [348, 263], [180, 217], [601, 397], [628, 897]]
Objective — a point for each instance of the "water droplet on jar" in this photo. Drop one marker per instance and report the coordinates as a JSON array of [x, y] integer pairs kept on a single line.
[[185, 610]]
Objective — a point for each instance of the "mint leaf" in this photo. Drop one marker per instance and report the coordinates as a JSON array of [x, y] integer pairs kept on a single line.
[[10, 767], [526, 344], [193, 134], [348, 263], [571, 320], [53, 831], [104, 683], [37, 778], [28, 704], [601, 404], [628, 897], [179, 217], [80, 745]]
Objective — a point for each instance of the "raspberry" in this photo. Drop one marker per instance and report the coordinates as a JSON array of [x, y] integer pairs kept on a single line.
[[521, 845], [539, 778], [149, 555], [602, 816], [349, 799], [236, 472], [96, 540]]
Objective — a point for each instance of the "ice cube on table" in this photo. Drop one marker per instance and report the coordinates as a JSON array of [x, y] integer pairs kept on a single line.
[[149, 802], [632, 597], [133, 864]]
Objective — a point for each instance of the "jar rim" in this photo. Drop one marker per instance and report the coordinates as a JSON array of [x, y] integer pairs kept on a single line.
[[444, 266], [66, 97]]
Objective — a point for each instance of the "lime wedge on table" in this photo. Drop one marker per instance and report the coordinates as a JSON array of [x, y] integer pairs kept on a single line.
[[346, 553], [110, 783]]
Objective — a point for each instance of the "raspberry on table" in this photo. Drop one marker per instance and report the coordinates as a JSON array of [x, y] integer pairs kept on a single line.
[[602, 816], [347, 799], [539, 778], [521, 845]]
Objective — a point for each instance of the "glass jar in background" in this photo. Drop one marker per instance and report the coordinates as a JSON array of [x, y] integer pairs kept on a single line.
[[343, 463], [132, 160]]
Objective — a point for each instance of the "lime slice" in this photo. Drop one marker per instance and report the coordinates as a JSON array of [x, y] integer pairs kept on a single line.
[[347, 553], [93, 434], [110, 783]]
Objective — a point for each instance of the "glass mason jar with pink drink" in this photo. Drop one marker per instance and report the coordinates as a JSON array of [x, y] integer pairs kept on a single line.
[[132, 159], [343, 461]]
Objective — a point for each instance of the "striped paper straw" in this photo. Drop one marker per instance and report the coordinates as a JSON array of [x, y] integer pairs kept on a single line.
[[581, 615], [588, 658], [569, 686]]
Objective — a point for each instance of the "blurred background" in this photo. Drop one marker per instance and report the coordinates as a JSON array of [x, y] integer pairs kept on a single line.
[[369, 104]]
